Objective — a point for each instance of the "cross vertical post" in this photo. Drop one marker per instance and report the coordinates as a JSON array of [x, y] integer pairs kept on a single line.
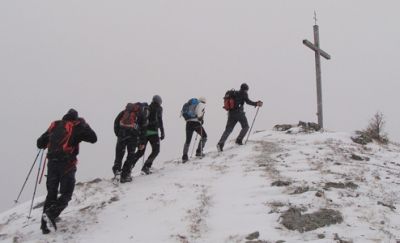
[[318, 53]]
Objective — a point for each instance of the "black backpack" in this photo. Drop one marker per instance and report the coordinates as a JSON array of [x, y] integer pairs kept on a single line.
[[60, 133], [230, 100]]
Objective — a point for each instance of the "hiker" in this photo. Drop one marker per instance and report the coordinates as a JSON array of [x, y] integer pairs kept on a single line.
[[155, 123], [193, 112], [236, 114], [62, 140], [129, 127]]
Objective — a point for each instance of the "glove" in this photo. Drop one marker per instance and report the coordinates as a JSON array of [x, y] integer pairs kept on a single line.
[[259, 103], [162, 136], [141, 146]]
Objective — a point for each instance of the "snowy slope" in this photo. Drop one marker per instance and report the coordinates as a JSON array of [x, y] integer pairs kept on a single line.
[[226, 196]]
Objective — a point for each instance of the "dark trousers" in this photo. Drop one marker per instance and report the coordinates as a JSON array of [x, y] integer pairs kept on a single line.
[[154, 141], [233, 118], [191, 127], [59, 175], [125, 143]]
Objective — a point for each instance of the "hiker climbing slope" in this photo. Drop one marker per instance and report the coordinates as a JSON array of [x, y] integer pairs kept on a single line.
[[62, 140], [129, 127], [234, 104], [193, 112], [151, 135]]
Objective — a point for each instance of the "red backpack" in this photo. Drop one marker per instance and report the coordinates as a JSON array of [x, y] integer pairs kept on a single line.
[[130, 116], [230, 102], [59, 146]]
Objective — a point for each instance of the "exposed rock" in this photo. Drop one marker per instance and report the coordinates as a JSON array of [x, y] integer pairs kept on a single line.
[[300, 190], [309, 126], [340, 185], [302, 127], [282, 127], [78, 184], [387, 205], [356, 157], [253, 236], [281, 183], [319, 193], [321, 236], [97, 180], [292, 219], [113, 199], [340, 240]]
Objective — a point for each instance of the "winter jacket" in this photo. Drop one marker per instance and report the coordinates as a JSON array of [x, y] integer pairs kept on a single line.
[[155, 118], [200, 110], [241, 98], [81, 132]]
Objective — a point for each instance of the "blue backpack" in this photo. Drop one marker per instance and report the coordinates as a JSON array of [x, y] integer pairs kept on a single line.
[[189, 109]]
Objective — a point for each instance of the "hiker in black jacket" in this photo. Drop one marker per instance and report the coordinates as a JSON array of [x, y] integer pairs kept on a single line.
[[62, 160], [152, 136], [238, 115], [129, 127]]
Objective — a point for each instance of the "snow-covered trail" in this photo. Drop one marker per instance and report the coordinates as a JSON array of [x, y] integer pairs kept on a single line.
[[226, 196], [190, 202]]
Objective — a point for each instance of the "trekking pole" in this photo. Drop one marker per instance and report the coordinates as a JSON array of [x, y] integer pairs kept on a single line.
[[201, 141], [194, 144], [29, 173], [248, 135], [144, 155], [44, 166], [36, 183]]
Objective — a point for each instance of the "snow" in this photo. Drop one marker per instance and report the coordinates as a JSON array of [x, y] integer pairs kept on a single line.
[[224, 197]]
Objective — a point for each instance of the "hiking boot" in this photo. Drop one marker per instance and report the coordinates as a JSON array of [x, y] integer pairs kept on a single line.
[[199, 154], [239, 142], [126, 178], [43, 226], [49, 218], [220, 147], [117, 173], [146, 171], [185, 158]]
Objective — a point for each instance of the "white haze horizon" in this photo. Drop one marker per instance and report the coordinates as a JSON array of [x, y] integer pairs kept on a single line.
[[96, 56]]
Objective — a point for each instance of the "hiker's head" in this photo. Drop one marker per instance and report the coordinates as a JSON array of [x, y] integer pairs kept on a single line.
[[72, 114], [203, 99], [157, 99], [244, 87]]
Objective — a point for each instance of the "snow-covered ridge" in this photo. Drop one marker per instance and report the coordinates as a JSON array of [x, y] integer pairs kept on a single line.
[[226, 196]]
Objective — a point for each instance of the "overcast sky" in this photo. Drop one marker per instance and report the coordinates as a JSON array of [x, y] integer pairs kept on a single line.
[[96, 56]]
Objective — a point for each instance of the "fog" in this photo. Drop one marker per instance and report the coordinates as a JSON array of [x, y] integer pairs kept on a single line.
[[96, 56]]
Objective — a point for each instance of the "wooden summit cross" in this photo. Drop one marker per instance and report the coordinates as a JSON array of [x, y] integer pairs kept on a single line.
[[318, 53]]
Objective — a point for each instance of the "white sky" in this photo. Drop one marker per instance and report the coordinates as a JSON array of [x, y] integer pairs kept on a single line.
[[96, 56]]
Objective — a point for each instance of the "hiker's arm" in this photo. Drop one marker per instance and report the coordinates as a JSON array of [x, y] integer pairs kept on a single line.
[[43, 140], [161, 124], [200, 110], [143, 122], [116, 123], [86, 133], [248, 101]]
